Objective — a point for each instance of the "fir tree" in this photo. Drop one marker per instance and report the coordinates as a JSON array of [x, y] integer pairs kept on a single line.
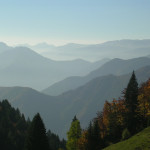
[[13, 127], [94, 138], [90, 137], [37, 139], [131, 104], [55, 142]]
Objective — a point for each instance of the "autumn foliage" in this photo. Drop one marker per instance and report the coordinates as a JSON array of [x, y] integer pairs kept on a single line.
[[144, 102], [112, 121]]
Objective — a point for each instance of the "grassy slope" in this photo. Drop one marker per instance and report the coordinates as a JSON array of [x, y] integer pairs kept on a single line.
[[140, 141]]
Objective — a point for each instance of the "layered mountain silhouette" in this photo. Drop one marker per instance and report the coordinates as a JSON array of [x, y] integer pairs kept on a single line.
[[115, 67], [20, 66], [83, 94], [84, 101], [124, 49]]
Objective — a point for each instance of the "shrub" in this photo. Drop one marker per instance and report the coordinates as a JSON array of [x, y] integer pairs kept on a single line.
[[125, 134]]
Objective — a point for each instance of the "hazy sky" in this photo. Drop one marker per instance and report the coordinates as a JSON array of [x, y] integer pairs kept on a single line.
[[80, 21]]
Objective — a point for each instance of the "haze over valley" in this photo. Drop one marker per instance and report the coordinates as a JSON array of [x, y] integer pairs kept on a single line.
[[74, 74], [124, 49], [71, 87]]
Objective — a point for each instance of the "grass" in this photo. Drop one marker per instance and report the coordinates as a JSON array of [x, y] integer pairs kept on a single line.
[[140, 141]]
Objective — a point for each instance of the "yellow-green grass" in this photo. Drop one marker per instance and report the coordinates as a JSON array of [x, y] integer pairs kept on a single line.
[[140, 141]]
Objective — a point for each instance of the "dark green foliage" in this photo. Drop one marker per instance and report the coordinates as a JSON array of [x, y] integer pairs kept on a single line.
[[114, 128], [74, 119], [125, 134], [37, 138], [54, 141], [13, 127], [94, 139], [131, 104], [90, 137], [97, 137]]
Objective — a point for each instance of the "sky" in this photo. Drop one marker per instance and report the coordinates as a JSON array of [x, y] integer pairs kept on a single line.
[[73, 21]]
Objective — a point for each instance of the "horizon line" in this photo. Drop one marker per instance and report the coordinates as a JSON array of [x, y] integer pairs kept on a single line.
[[15, 44]]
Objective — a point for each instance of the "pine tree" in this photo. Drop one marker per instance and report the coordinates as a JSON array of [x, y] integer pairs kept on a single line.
[[73, 135], [131, 104], [55, 142], [90, 137], [94, 138], [37, 139]]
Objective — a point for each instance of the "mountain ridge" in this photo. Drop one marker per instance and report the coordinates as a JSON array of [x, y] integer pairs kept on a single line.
[[115, 66], [85, 101], [21, 66], [124, 49]]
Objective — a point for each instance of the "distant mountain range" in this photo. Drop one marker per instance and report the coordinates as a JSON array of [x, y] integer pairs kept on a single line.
[[84, 101], [21, 66], [115, 67], [83, 94], [124, 49]]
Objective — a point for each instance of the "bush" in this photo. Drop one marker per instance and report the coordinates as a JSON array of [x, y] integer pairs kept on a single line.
[[125, 134]]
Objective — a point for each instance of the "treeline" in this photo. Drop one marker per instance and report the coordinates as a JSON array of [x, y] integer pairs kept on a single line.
[[119, 120], [17, 133]]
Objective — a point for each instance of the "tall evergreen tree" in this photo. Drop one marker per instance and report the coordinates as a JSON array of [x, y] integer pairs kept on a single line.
[[13, 127], [94, 138], [131, 104], [73, 135], [37, 139], [90, 137], [55, 142]]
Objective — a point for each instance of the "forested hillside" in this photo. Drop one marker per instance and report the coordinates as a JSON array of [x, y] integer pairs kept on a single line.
[[17, 133], [118, 121], [84, 102], [74, 74]]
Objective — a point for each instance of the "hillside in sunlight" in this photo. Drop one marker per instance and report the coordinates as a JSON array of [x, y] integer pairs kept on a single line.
[[140, 141]]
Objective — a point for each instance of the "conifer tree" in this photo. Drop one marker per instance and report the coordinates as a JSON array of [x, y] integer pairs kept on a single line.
[[131, 104], [73, 135], [37, 139], [94, 138], [90, 137]]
